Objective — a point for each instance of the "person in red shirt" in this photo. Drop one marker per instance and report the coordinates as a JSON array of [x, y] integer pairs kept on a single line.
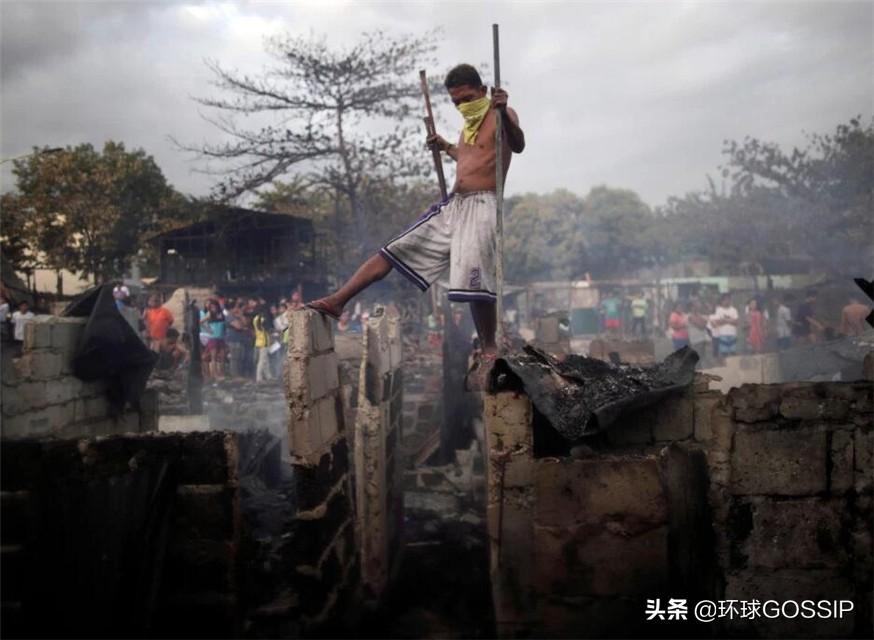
[[756, 326], [679, 324], [158, 319]]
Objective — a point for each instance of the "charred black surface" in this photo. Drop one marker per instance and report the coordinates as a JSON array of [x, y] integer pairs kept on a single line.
[[580, 396]]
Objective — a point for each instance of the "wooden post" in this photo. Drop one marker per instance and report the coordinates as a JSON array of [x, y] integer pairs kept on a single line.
[[431, 129], [499, 198]]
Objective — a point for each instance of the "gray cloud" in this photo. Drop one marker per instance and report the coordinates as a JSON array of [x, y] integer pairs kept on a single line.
[[634, 94]]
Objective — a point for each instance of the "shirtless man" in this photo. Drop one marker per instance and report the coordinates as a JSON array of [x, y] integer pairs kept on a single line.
[[853, 318], [458, 232]]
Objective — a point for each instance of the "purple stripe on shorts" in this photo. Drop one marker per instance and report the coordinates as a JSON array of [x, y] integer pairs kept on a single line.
[[432, 211], [404, 270], [463, 295]]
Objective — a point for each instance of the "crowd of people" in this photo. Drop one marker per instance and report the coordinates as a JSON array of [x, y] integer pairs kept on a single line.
[[241, 338], [766, 323], [245, 337]]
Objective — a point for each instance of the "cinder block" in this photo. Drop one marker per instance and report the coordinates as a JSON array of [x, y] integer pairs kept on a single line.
[[27, 396], [596, 561], [722, 426], [305, 435], [796, 534], [841, 461], [789, 462], [519, 470], [674, 418], [322, 332], [35, 424], [508, 420], [309, 332], [755, 402], [626, 489], [300, 332], [322, 375], [802, 403], [45, 365], [38, 333], [327, 421], [66, 334], [704, 405], [63, 390], [11, 403]]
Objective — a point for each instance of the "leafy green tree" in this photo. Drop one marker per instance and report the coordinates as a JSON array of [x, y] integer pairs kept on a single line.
[[544, 237], [814, 202], [828, 188], [559, 235], [85, 210], [617, 225]]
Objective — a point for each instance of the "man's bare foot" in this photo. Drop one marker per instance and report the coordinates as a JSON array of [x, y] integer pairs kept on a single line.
[[324, 305]]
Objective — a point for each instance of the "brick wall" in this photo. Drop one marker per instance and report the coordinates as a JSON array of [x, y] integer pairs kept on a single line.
[[130, 535], [792, 476], [41, 397], [765, 493], [325, 565], [379, 499]]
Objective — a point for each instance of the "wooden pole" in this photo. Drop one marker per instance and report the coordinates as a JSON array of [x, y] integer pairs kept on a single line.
[[499, 198], [431, 129]]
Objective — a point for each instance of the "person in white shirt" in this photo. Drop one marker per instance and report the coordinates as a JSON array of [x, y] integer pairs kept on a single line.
[[784, 324], [725, 321], [21, 318]]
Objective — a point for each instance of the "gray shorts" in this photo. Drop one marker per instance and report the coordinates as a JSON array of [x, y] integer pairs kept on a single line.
[[458, 233]]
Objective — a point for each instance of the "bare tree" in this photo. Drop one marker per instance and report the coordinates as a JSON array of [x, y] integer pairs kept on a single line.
[[334, 119]]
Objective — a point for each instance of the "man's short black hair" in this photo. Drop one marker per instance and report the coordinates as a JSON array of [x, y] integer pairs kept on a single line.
[[463, 74]]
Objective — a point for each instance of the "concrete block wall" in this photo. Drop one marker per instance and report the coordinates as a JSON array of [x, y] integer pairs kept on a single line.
[[122, 536], [379, 498], [578, 544], [791, 493], [325, 565], [762, 494], [42, 398]]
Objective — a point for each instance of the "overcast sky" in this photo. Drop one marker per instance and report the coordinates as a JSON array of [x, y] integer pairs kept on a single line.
[[632, 94]]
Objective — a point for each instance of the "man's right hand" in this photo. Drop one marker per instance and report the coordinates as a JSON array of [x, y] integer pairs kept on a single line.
[[435, 141]]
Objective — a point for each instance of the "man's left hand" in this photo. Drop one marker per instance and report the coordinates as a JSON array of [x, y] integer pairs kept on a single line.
[[499, 99]]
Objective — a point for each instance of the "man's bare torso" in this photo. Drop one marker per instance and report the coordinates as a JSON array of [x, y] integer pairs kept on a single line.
[[853, 319], [476, 162]]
